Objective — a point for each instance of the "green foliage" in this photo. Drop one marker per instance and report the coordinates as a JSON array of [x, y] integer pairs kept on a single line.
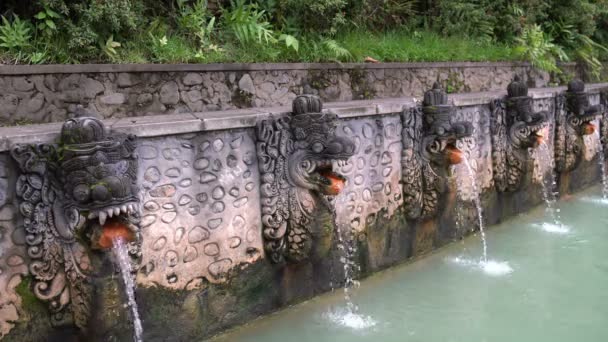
[[179, 31], [47, 20], [325, 17], [109, 48], [538, 48], [15, 35], [248, 23], [290, 41]]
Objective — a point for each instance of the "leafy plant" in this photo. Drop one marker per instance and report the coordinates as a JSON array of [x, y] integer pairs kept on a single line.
[[336, 50], [46, 20], [248, 23], [290, 41], [109, 48], [15, 36], [538, 48]]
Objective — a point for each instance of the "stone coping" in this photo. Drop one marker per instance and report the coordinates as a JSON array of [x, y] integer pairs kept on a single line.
[[161, 125], [9, 70]]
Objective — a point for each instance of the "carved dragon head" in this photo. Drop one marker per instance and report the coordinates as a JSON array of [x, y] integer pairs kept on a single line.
[[440, 134], [316, 147], [523, 124], [580, 112], [98, 172], [296, 154], [67, 191]]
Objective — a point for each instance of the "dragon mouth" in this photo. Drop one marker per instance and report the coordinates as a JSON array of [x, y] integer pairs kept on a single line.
[[588, 128], [330, 183], [453, 154], [106, 213]]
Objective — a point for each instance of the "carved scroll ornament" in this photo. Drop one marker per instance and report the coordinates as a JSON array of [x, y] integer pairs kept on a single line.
[[295, 156], [573, 119], [429, 139], [515, 129], [64, 188]]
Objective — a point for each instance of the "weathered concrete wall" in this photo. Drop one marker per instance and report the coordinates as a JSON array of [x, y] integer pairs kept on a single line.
[[40, 94], [203, 266]]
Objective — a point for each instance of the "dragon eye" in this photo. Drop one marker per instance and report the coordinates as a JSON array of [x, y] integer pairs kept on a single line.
[[318, 147]]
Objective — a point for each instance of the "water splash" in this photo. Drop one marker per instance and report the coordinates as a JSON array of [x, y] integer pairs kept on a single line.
[[349, 316], [552, 228], [121, 253], [349, 319], [549, 195], [490, 267], [477, 201]]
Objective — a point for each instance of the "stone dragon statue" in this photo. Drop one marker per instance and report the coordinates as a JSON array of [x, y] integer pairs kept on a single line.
[[574, 116], [67, 191], [429, 139], [604, 121], [296, 154], [515, 128]]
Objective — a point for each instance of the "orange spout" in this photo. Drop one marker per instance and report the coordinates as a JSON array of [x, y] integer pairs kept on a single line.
[[454, 155], [588, 128], [540, 139], [336, 186], [113, 230]]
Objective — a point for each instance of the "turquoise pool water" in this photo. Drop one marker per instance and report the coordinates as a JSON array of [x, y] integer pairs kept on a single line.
[[542, 283]]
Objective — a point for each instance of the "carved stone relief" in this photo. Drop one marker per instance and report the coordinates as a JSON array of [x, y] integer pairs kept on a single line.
[[543, 161], [67, 191], [575, 119], [201, 209], [373, 172], [516, 128], [13, 259], [430, 135], [297, 154]]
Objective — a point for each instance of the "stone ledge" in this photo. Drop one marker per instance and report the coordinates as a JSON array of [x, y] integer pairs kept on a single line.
[[161, 125], [7, 70]]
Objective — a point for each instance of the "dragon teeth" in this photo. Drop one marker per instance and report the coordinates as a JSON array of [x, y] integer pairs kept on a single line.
[[110, 212], [116, 211], [123, 208], [92, 215], [102, 218]]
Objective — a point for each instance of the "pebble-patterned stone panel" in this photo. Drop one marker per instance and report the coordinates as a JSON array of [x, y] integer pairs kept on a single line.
[[373, 172], [201, 210]]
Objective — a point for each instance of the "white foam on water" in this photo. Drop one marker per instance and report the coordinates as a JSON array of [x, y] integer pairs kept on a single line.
[[349, 319], [552, 228], [595, 200], [496, 268], [490, 267]]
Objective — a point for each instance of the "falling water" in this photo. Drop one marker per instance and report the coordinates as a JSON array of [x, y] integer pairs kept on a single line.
[[122, 256], [490, 267], [602, 161], [477, 201], [546, 164], [347, 244]]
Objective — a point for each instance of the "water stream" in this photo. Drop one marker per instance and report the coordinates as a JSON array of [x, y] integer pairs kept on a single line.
[[602, 161], [546, 163], [477, 201], [121, 253], [490, 267], [347, 243]]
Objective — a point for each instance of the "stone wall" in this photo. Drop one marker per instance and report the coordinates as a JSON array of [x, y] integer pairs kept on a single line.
[[41, 94], [204, 267]]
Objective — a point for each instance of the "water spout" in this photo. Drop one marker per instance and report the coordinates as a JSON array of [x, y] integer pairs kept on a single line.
[[477, 201], [546, 163], [121, 252], [602, 162], [347, 243]]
